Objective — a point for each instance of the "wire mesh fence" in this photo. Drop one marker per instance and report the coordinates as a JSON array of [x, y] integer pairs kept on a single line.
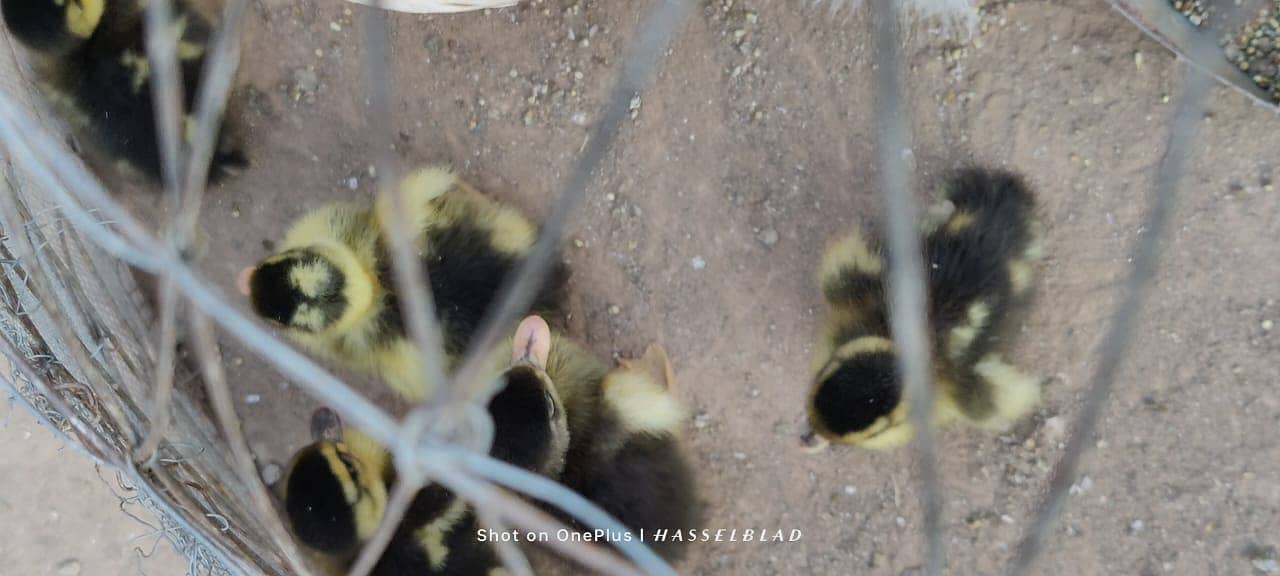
[[85, 358]]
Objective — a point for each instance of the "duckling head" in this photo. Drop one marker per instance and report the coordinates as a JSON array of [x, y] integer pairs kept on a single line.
[[333, 500], [857, 398], [52, 25], [315, 289], [531, 428]]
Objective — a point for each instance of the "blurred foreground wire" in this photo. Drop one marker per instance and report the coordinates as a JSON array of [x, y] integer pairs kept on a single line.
[[1183, 129], [906, 265]]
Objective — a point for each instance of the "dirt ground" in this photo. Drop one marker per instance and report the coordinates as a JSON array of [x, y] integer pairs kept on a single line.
[[58, 515], [703, 230]]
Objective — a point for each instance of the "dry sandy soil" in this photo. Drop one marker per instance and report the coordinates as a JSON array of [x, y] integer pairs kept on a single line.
[[58, 513], [753, 146]]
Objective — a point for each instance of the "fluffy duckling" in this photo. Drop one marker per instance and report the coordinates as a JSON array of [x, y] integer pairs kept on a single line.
[[336, 489], [91, 60], [980, 255], [626, 450], [330, 286]]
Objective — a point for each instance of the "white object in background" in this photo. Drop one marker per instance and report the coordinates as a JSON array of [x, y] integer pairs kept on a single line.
[[436, 6]]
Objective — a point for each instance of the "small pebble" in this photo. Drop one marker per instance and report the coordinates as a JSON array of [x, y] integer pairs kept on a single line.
[[1054, 430], [432, 43], [768, 236], [353, 183], [1267, 325], [850, 489], [698, 263], [739, 455], [614, 310], [271, 473], [252, 399], [69, 567], [579, 243], [305, 83], [579, 118], [900, 521], [1136, 526], [1268, 566]]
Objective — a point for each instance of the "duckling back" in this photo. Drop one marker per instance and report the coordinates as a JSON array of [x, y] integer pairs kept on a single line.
[[628, 456], [980, 267], [470, 246], [979, 257], [979, 260]]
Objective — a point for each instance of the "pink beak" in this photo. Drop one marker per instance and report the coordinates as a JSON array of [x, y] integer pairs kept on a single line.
[[242, 280]]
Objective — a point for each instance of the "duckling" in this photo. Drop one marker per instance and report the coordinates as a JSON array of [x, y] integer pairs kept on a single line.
[[330, 286], [980, 251], [626, 449], [336, 489], [91, 61]]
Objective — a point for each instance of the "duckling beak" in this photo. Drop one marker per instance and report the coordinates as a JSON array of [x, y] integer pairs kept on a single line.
[[532, 344], [242, 280], [812, 442]]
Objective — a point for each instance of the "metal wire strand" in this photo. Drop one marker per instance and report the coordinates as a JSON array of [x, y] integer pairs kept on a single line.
[[490, 500], [566, 500], [215, 382], [58, 166], [92, 445], [1115, 344], [17, 131], [215, 88], [55, 165], [41, 281], [162, 46], [906, 267], [406, 487], [166, 91], [653, 39], [22, 134], [411, 278], [162, 391], [513, 559]]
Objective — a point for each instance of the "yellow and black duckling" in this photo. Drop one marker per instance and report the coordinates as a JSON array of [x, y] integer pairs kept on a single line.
[[980, 259], [331, 284], [336, 489], [626, 442], [91, 60]]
